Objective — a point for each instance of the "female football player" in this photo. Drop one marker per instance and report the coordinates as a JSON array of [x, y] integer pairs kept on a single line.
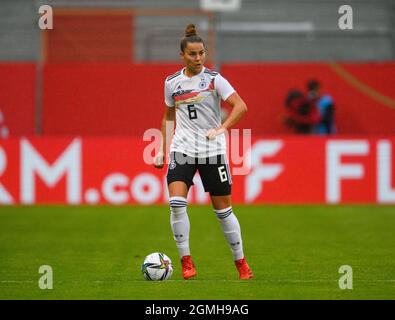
[[192, 98]]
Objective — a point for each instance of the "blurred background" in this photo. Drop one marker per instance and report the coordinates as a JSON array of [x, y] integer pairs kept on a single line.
[[99, 74]]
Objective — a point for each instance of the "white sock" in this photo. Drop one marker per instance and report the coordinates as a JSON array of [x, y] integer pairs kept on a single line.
[[231, 228], [180, 224]]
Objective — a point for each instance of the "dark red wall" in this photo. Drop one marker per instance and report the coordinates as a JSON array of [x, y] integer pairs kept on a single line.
[[17, 96], [103, 99], [264, 86], [90, 38], [126, 99]]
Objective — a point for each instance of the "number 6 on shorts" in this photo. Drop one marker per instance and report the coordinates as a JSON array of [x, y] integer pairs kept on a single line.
[[222, 173]]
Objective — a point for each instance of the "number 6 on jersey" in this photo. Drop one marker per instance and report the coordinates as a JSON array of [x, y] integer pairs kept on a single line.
[[192, 111]]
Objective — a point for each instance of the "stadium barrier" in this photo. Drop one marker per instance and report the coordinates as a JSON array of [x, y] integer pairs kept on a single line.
[[279, 170], [116, 94], [96, 99], [17, 96], [362, 92], [103, 99]]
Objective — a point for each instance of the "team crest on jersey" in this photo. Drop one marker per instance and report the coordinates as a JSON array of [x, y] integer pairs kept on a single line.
[[172, 164], [203, 84]]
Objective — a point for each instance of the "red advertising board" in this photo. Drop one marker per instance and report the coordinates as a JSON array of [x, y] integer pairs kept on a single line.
[[17, 97], [278, 170], [363, 94], [97, 99], [114, 98]]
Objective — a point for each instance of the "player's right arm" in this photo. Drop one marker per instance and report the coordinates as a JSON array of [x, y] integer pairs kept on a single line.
[[166, 129]]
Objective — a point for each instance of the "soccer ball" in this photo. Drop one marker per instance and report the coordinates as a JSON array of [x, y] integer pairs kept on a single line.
[[157, 267]]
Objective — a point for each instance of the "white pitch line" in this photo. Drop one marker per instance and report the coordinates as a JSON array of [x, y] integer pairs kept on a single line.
[[17, 281], [208, 280]]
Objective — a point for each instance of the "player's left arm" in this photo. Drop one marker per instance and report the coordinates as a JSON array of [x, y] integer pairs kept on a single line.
[[239, 108]]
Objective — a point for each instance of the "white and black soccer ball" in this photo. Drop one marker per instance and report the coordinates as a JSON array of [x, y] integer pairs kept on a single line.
[[157, 267]]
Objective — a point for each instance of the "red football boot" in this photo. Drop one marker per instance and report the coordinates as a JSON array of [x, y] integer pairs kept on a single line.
[[188, 268], [244, 270]]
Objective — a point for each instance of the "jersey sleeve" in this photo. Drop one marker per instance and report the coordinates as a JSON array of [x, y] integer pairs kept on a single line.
[[169, 101], [223, 87]]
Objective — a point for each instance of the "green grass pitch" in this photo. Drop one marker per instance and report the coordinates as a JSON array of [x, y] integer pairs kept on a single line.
[[294, 251]]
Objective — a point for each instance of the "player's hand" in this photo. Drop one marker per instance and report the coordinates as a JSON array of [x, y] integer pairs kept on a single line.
[[159, 160], [213, 133]]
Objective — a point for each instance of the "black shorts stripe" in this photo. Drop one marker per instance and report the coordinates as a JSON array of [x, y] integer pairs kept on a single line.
[[228, 172]]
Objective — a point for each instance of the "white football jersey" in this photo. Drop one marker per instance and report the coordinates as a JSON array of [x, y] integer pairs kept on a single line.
[[197, 103]]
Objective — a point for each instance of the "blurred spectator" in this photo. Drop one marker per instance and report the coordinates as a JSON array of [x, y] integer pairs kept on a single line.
[[301, 115], [3, 128], [325, 106]]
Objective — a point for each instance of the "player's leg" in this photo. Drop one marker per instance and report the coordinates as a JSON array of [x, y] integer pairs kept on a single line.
[[229, 223], [179, 179], [217, 180], [179, 220], [232, 232]]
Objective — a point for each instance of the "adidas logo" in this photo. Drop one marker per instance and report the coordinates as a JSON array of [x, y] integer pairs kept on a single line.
[[179, 87]]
